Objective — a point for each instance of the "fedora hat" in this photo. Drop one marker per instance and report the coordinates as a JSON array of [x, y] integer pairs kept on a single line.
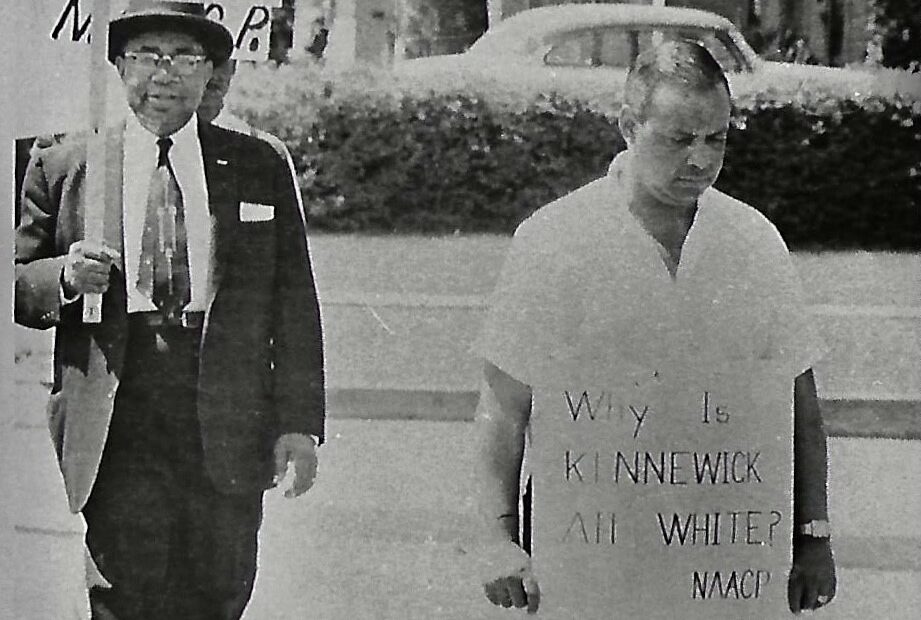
[[146, 15]]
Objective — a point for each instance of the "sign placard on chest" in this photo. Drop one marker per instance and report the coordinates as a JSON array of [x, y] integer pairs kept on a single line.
[[663, 493]]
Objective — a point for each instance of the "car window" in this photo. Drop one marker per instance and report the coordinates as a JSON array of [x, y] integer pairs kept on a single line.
[[718, 43], [618, 46], [592, 47]]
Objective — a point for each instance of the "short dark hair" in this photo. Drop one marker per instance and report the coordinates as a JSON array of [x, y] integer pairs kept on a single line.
[[681, 62]]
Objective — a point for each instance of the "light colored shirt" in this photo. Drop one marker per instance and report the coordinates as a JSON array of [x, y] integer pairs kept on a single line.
[[584, 286], [140, 159]]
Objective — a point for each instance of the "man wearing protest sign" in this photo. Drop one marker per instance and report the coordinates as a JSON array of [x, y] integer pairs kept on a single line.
[[204, 378], [651, 275]]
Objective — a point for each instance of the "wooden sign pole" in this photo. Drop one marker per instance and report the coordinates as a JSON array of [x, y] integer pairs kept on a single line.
[[97, 193]]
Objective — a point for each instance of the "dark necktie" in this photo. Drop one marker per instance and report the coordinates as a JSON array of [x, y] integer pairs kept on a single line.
[[163, 275]]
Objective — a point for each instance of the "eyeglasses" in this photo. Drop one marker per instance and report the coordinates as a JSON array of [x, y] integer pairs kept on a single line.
[[180, 64]]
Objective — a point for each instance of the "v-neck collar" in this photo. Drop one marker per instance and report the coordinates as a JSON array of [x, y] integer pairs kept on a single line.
[[619, 175], [680, 264]]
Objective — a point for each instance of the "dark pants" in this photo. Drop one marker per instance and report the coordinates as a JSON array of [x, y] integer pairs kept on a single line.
[[171, 545]]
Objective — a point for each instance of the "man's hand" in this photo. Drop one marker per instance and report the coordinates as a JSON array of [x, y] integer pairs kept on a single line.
[[87, 267], [302, 450], [812, 580], [515, 585], [519, 590]]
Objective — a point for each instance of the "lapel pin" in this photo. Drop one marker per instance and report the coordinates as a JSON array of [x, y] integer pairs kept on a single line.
[[222, 162]]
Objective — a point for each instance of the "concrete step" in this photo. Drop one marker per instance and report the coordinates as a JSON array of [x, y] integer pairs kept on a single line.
[[888, 419], [412, 482], [893, 419], [423, 342]]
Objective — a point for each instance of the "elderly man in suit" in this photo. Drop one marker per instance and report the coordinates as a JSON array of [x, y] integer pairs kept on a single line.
[[204, 378]]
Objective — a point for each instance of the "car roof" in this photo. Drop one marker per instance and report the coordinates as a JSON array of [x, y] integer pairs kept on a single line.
[[537, 24]]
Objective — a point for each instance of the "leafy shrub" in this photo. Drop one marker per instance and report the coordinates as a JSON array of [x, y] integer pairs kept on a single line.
[[898, 22], [831, 170], [831, 174], [452, 163]]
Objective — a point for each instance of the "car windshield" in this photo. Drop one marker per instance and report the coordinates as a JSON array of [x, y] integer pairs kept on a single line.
[[617, 46]]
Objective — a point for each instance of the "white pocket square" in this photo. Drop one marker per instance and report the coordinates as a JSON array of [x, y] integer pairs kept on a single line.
[[255, 212]]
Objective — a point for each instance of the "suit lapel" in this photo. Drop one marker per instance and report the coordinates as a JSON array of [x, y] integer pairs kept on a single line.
[[219, 164]]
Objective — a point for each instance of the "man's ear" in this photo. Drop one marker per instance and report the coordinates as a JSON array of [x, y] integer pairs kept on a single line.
[[627, 123], [209, 70]]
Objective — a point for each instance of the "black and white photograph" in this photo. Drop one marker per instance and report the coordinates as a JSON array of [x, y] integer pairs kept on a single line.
[[462, 310]]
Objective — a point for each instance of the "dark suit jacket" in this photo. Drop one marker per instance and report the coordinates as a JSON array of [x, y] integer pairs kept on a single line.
[[261, 363]]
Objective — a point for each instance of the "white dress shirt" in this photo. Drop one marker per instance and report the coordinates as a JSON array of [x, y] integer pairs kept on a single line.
[[140, 159], [585, 285]]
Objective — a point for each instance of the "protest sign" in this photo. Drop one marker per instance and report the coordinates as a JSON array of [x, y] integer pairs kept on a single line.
[[664, 493], [250, 23], [51, 55]]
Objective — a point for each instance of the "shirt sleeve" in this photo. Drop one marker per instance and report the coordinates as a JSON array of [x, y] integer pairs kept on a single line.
[[795, 341], [533, 314]]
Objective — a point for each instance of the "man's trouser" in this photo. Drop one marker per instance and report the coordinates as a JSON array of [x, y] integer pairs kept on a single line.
[[171, 545]]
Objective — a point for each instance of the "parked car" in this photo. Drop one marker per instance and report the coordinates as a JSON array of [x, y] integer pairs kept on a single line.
[[583, 46]]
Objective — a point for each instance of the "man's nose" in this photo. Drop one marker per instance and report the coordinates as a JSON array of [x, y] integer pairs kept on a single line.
[[164, 71], [701, 154]]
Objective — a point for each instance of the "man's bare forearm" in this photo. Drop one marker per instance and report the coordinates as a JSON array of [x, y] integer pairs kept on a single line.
[[810, 453], [501, 419]]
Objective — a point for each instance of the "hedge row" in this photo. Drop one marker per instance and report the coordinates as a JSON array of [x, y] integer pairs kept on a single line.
[[849, 178], [831, 173], [898, 23]]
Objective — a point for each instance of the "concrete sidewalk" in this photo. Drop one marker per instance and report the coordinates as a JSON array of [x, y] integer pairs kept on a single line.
[[388, 531]]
